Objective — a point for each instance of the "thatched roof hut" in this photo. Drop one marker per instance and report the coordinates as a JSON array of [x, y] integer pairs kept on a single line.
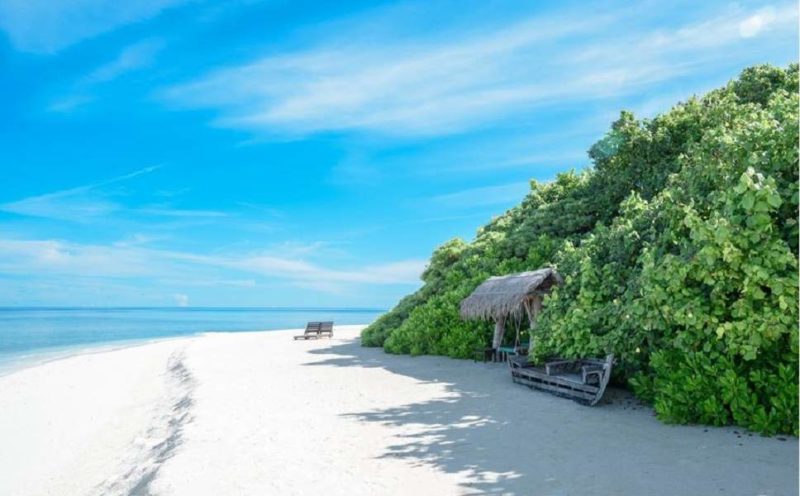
[[514, 295], [504, 296]]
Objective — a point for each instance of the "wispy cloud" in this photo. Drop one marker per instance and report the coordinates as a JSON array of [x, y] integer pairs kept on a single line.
[[81, 203], [76, 204], [69, 103], [386, 86], [91, 202], [134, 57], [483, 196], [690, 45], [232, 283], [181, 299], [300, 270], [46, 26], [177, 212], [756, 23], [438, 87], [54, 257]]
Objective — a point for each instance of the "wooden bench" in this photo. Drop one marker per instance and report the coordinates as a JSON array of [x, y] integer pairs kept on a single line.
[[583, 380]]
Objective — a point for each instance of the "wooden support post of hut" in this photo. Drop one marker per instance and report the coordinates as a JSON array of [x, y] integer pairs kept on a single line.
[[510, 298], [533, 305], [499, 330]]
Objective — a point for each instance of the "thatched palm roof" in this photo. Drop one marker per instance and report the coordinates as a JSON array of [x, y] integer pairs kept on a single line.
[[504, 296]]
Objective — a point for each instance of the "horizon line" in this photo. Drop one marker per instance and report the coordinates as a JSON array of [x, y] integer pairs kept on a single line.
[[122, 307]]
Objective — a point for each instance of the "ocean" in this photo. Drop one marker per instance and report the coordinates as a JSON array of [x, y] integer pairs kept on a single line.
[[34, 335]]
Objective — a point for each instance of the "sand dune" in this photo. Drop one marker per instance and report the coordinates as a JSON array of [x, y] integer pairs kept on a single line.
[[258, 413]]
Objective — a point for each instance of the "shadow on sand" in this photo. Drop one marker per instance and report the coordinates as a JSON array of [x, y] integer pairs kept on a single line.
[[502, 438]]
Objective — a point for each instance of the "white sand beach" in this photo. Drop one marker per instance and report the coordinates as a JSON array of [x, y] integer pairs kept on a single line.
[[261, 414]]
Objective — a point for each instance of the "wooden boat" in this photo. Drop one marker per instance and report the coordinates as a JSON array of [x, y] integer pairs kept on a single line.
[[582, 380]]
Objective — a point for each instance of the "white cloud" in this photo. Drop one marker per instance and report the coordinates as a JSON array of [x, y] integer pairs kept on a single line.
[[444, 86], [132, 257], [80, 204], [177, 212], [182, 300], [73, 204], [47, 26], [69, 103], [134, 57], [386, 87], [47, 258], [403, 272], [756, 23], [94, 201], [238, 283], [52, 257], [484, 196]]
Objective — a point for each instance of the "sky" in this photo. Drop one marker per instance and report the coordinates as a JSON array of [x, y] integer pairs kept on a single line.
[[276, 153]]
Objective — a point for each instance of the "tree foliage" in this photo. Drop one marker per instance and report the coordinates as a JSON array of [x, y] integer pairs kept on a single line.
[[679, 252]]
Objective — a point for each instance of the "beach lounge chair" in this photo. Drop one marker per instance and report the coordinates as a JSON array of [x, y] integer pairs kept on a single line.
[[326, 329], [311, 332], [583, 380]]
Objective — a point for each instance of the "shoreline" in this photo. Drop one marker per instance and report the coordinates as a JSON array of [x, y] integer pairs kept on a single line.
[[259, 413], [14, 362]]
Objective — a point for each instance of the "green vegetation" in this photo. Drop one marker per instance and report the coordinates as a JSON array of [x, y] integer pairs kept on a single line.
[[679, 252]]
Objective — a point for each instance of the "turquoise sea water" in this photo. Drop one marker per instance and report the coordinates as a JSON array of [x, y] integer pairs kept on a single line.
[[31, 335]]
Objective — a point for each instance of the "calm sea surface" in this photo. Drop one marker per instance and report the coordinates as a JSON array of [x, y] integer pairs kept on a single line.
[[31, 335]]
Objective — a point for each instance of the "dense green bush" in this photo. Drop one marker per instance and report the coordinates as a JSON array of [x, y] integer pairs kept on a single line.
[[679, 253]]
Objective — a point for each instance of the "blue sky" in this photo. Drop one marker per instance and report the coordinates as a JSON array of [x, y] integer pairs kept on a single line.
[[272, 153]]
